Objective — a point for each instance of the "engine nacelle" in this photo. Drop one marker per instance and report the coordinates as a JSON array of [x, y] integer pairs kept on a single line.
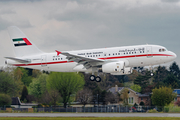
[[127, 70], [113, 67]]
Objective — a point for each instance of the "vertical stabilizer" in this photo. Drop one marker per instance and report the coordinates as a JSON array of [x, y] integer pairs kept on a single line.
[[22, 45]]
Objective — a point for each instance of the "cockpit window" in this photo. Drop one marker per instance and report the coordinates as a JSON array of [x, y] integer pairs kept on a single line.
[[162, 50]]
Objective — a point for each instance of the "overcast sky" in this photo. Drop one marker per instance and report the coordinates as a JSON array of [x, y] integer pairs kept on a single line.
[[84, 24]]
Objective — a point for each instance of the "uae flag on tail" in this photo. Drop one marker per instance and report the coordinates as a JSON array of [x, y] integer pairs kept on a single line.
[[21, 42]]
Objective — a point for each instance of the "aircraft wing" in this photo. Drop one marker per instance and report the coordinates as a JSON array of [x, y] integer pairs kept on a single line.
[[87, 62], [18, 60]]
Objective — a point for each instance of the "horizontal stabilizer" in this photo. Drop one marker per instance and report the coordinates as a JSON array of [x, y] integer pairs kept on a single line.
[[19, 60]]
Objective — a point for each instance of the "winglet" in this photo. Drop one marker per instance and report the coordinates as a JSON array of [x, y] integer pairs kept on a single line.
[[58, 52]]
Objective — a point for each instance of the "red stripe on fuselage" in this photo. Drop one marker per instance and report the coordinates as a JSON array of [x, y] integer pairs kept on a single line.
[[117, 57], [131, 56]]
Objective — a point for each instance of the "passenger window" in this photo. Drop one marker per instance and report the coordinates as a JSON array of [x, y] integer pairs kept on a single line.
[[109, 54], [129, 52], [104, 54], [118, 53]]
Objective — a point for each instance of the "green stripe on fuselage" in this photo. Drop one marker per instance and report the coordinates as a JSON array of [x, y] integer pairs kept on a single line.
[[17, 39]]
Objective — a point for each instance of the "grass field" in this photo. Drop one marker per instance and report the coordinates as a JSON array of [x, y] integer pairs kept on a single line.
[[88, 118]]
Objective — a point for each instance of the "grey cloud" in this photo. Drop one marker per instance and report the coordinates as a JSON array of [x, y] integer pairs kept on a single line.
[[4, 24], [170, 1], [7, 11], [8, 1], [95, 24]]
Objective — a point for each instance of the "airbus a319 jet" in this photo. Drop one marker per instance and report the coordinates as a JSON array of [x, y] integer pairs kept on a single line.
[[114, 60]]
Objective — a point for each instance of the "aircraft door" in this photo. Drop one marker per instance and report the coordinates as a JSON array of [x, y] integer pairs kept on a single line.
[[149, 51], [43, 61]]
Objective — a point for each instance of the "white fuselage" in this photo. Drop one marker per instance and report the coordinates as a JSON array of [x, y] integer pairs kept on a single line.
[[133, 56]]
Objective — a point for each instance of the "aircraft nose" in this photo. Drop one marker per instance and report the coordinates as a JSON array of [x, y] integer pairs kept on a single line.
[[174, 55]]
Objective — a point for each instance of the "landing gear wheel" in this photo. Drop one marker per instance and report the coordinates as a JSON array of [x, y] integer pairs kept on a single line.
[[92, 77], [152, 74], [98, 79]]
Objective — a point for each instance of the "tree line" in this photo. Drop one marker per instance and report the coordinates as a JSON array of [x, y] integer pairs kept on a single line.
[[55, 88]]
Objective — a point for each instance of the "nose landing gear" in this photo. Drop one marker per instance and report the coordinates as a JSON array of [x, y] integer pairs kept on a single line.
[[151, 69]]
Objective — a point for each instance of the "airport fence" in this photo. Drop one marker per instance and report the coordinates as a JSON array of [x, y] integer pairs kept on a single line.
[[98, 109]]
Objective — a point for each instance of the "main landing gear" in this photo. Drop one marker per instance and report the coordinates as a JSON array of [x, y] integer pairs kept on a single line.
[[94, 78], [151, 69]]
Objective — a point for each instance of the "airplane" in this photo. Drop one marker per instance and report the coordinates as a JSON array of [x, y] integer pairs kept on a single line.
[[113, 60]]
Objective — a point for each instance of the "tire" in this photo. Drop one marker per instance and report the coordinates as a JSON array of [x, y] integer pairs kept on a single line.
[[92, 78], [98, 79]]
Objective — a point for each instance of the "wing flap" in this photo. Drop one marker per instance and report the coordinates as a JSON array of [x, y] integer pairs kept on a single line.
[[69, 55], [86, 62]]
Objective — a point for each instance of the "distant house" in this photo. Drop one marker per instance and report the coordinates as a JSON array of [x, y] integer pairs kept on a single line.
[[134, 97], [115, 89], [178, 94], [145, 98]]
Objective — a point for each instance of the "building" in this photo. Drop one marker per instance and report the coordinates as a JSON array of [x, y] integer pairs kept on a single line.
[[177, 91], [134, 97]]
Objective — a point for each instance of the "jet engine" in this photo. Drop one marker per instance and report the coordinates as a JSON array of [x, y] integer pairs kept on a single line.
[[127, 70], [117, 68], [113, 67]]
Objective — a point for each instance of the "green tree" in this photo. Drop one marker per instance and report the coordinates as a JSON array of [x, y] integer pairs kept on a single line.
[[143, 80], [174, 69], [66, 84], [84, 96], [54, 94], [7, 84], [160, 74], [36, 73], [24, 94], [124, 96], [17, 73], [5, 100], [38, 86], [162, 96], [171, 80], [133, 76], [136, 88], [97, 95], [25, 78], [103, 96]]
